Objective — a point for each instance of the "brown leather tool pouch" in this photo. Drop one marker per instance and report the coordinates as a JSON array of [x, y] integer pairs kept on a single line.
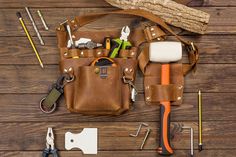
[[98, 90], [107, 90]]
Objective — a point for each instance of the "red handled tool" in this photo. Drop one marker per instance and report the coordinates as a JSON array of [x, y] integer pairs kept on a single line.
[[164, 144], [165, 53]]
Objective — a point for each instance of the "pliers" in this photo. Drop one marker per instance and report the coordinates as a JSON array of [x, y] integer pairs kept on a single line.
[[120, 43], [50, 147]]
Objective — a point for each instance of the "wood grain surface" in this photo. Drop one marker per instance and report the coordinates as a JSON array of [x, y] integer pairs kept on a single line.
[[23, 84]]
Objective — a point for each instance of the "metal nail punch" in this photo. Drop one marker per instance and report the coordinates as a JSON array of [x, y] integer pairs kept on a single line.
[[191, 139]]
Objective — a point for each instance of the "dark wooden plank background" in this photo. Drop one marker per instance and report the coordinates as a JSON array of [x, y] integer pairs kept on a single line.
[[23, 84]]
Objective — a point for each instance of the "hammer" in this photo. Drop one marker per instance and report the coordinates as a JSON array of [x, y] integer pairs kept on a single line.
[[164, 53]]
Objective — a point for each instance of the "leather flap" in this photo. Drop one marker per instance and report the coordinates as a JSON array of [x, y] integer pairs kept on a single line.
[[157, 93]]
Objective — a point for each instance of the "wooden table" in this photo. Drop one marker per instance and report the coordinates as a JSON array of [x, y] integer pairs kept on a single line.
[[23, 83]]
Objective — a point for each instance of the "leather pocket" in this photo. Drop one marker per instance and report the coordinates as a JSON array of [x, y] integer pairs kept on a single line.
[[98, 90]]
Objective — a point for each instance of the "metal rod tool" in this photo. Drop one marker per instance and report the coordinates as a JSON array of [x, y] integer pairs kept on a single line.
[[42, 19], [200, 121], [145, 138], [34, 25], [191, 139], [70, 36], [139, 129], [29, 38]]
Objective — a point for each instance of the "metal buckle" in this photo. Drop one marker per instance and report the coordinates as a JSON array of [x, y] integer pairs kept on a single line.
[[191, 47], [103, 72]]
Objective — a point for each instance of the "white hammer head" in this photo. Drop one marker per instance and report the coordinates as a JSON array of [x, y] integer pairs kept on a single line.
[[165, 51], [86, 141]]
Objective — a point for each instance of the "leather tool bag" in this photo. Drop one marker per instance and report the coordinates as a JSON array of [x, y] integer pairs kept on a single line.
[[103, 90]]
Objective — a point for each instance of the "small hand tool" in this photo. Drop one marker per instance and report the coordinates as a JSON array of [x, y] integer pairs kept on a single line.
[[87, 140], [138, 131], [145, 138], [48, 104], [132, 87], [120, 43], [70, 36], [103, 61], [200, 147], [50, 146], [191, 139], [167, 52], [18, 14], [42, 19], [89, 45], [34, 25], [107, 43]]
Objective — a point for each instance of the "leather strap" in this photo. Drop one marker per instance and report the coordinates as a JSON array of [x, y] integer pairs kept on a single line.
[[96, 53], [83, 20], [191, 48], [157, 93], [192, 55]]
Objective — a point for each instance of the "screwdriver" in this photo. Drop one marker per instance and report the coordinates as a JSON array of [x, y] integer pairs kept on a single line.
[[200, 121], [18, 14]]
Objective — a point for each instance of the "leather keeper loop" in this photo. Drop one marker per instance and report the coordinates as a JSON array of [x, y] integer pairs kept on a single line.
[[86, 53], [157, 93], [96, 53], [129, 73], [154, 32], [132, 53]]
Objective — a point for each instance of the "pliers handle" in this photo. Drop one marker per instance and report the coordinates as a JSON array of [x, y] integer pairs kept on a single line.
[[126, 45], [47, 152]]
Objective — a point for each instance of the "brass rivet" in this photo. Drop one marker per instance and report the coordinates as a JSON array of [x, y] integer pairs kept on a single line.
[[152, 29], [180, 87], [132, 53], [153, 34], [99, 53], [73, 21], [126, 69], [147, 87], [179, 98], [130, 70], [96, 70], [70, 69], [73, 36], [65, 54], [148, 98], [81, 53]]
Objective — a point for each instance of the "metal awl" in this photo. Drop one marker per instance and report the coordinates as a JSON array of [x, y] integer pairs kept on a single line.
[[43, 20], [35, 27]]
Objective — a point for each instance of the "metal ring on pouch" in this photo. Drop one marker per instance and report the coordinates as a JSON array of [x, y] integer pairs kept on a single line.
[[70, 79]]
